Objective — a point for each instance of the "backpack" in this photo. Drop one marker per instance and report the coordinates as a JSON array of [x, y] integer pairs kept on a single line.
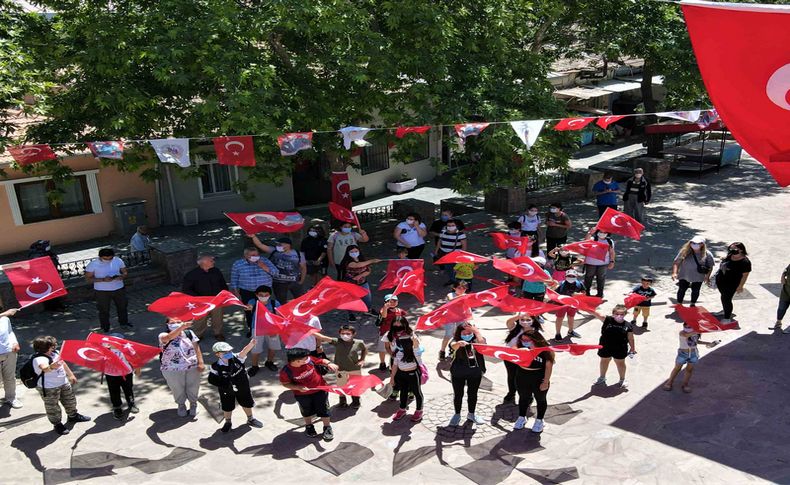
[[27, 374]]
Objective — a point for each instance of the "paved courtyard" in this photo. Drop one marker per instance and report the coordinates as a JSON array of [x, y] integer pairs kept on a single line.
[[732, 429]]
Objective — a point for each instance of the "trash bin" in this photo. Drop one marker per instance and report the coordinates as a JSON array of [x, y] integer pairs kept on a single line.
[[128, 214]]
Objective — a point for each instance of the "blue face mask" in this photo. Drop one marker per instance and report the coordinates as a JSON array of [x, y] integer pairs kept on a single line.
[[345, 230], [469, 337], [227, 355], [445, 218]]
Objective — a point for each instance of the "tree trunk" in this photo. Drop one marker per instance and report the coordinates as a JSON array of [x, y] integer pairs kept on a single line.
[[647, 88]]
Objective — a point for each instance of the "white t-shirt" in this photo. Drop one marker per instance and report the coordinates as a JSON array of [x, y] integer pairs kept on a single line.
[[411, 236], [688, 343], [102, 269], [308, 342], [53, 379], [529, 223]]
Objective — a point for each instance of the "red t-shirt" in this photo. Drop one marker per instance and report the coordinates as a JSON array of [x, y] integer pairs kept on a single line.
[[305, 375], [389, 318]]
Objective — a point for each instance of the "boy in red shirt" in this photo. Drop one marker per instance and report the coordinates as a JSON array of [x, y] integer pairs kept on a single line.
[[301, 376]]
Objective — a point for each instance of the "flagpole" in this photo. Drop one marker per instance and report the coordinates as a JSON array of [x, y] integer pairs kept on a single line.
[[54, 294]]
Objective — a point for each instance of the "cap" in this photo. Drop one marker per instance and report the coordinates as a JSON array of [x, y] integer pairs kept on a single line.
[[698, 239], [285, 240], [571, 272], [221, 347], [540, 260], [647, 278], [390, 296]]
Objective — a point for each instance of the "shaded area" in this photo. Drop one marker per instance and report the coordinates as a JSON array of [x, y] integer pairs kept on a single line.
[[345, 457], [558, 475], [13, 423]]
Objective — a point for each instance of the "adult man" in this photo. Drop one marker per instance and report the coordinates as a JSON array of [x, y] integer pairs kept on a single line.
[[338, 242], [206, 280], [140, 240], [107, 274], [637, 195], [249, 273], [291, 268], [606, 192], [9, 347], [439, 224]]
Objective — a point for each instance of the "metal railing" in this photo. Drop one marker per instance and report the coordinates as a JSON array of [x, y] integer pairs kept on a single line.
[[76, 269], [548, 180], [373, 214]]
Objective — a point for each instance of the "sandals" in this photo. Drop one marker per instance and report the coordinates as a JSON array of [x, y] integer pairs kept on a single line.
[[667, 387]]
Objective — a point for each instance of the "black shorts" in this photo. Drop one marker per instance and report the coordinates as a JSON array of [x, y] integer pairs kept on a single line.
[[238, 392], [613, 352], [316, 404], [313, 269]]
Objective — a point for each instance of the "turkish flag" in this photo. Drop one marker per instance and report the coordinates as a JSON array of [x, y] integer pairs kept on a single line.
[[413, 282], [605, 121], [92, 356], [180, 306], [268, 324], [405, 130], [506, 241], [703, 321], [327, 295], [633, 300], [453, 311], [615, 222], [747, 74], [593, 249], [486, 297], [522, 357], [235, 150], [572, 124], [476, 227], [34, 280], [460, 256], [292, 143], [342, 214], [136, 353], [341, 190], [396, 268], [573, 349], [255, 222], [29, 154], [512, 304], [578, 301], [523, 268], [355, 387], [295, 331], [496, 282]]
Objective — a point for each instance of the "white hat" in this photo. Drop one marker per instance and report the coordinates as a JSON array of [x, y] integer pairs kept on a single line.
[[540, 260], [698, 239], [571, 272]]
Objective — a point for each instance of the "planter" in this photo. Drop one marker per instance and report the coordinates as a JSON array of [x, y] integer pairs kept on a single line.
[[506, 200], [401, 187]]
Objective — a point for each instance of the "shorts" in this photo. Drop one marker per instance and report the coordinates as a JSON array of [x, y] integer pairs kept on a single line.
[[449, 329], [238, 392], [316, 404], [613, 352], [642, 310], [315, 269], [687, 357], [272, 343], [343, 375], [381, 346], [565, 311]]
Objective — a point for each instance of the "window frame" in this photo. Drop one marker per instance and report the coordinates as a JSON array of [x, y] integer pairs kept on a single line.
[[233, 177], [427, 151], [364, 165]]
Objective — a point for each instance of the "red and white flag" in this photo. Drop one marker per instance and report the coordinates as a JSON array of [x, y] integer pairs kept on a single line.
[[522, 357], [292, 143], [460, 256], [605, 121], [327, 295], [413, 282], [747, 74], [342, 214], [341, 190], [496, 282], [593, 249], [523, 268], [405, 130], [267, 323], [512, 304], [235, 150], [465, 130], [396, 269], [573, 349], [181, 306], [486, 297], [29, 154], [92, 356], [255, 222], [107, 149], [702, 321], [453, 311], [633, 300], [34, 281], [572, 124], [578, 301], [136, 353], [355, 387], [506, 241], [616, 222]]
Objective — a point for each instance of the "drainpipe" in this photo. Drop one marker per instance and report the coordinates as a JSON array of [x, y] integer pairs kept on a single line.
[[172, 194]]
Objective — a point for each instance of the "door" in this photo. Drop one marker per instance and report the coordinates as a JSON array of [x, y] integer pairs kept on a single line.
[[311, 182]]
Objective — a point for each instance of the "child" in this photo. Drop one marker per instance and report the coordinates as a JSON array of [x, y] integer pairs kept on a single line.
[[513, 229], [389, 313], [55, 383], [459, 289], [688, 355], [301, 376], [464, 272], [230, 377], [648, 292], [350, 354], [530, 221], [116, 383], [536, 290], [263, 294], [562, 261], [406, 372], [570, 286], [617, 342]]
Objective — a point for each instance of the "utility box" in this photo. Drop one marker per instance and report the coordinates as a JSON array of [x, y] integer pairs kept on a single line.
[[128, 214]]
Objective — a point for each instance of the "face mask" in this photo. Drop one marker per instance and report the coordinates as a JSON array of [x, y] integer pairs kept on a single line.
[[554, 210], [526, 323], [451, 228], [445, 218], [608, 181], [564, 253], [312, 233], [527, 345], [410, 222], [354, 254], [345, 230], [227, 355], [602, 235], [695, 246], [619, 318], [637, 175], [533, 213], [254, 259], [173, 326], [732, 252], [280, 249], [467, 338], [263, 299], [570, 280], [346, 337], [515, 232]]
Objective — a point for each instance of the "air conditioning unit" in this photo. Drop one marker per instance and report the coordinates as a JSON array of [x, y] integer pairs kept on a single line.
[[189, 217]]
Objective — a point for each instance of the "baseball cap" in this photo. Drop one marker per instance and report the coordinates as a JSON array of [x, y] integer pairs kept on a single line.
[[698, 239], [390, 296], [221, 347]]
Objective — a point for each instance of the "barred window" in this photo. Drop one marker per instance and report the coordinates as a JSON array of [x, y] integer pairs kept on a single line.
[[375, 158]]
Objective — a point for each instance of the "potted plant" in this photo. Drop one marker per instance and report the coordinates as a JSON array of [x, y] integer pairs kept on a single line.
[[404, 183]]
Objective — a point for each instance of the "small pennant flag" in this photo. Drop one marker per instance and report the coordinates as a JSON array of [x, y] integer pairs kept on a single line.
[[465, 130], [172, 150], [689, 116], [528, 131], [28, 154], [235, 150], [605, 121], [355, 135], [292, 143], [572, 124], [405, 130], [107, 149]]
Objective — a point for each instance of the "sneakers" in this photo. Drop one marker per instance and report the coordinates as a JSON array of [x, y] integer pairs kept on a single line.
[[644, 324], [78, 418], [537, 427], [601, 381], [355, 402], [328, 435], [520, 422], [509, 398], [475, 418], [270, 365], [442, 355], [193, 409], [417, 416], [61, 429], [558, 337], [182, 410], [726, 320], [399, 414], [455, 420], [394, 396], [573, 334], [343, 402], [623, 384], [226, 427], [382, 366], [132, 408], [16, 403], [310, 430], [117, 414], [253, 370], [254, 422]]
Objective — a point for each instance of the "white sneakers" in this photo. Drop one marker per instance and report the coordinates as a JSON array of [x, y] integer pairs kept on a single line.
[[15, 403], [537, 427], [521, 423], [475, 418]]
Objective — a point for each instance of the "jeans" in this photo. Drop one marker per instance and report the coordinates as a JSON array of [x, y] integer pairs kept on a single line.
[[8, 372], [184, 384], [103, 300], [726, 300], [782, 309], [472, 383], [528, 385], [599, 273], [684, 285], [282, 288], [115, 384]]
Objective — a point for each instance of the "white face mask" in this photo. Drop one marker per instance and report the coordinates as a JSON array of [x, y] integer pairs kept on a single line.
[[354, 254], [515, 232], [619, 318], [280, 249], [602, 235], [345, 337], [554, 210], [173, 326], [312, 233], [526, 323], [451, 228], [570, 280], [695, 246], [263, 299], [410, 222], [254, 259], [527, 345], [532, 213]]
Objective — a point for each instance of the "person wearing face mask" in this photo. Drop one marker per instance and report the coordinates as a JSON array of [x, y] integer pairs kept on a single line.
[[399, 328], [389, 313], [339, 241], [530, 222], [557, 225], [291, 268], [181, 363], [314, 248], [466, 371], [439, 224], [350, 354], [263, 294], [356, 269], [206, 280], [517, 325], [637, 195], [450, 239], [692, 267], [411, 234], [596, 268], [617, 341], [513, 229], [107, 274], [732, 275], [570, 286], [459, 289], [247, 274], [536, 290], [533, 380], [605, 192], [230, 377], [407, 372], [562, 261]]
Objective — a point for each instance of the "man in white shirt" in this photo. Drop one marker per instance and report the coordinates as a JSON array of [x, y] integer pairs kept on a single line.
[[9, 347], [107, 274], [140, 240]]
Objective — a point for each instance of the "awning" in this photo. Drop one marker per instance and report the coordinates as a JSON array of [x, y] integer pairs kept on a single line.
[[656, 80], [581, 92]]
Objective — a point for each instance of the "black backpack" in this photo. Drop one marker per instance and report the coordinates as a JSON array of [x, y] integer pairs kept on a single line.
[[27, 374]]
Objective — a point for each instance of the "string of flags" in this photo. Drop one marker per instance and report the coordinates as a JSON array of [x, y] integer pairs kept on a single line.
[[240, 151]]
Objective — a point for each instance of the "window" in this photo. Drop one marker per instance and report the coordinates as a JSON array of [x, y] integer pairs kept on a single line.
[[216, 179], [375, 158], [29, 202], [420, 151]]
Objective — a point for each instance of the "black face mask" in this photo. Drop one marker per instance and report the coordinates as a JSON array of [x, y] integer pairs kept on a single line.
[[733, 252]]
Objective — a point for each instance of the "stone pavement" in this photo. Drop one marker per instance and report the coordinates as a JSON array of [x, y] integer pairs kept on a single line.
[[732, 429]]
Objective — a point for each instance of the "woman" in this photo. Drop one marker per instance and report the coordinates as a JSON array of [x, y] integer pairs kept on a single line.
[[387, 315], [517, 325], [732, 275], [617, 337], [338, 242], [530, 222], [533, 380], [691, 268], [459, 289], [467, 371], [314, 247], [182, 364], [356, 269], [557, 225], [596, 268], [411, 234], [9, 348], [406, 375]]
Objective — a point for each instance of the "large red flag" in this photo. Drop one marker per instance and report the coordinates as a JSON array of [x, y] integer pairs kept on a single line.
[[605, 121], [522, 357], [356, 386], [341, 190], [571, 124], [512, 304], [573, 349], [413, 282], [181, 306], [396, 268], [28, 154], [92, 356], [405, 130], [486, 297], [327, 295], [255, 222], [703, 321], [593, 249], [35, 280], [235, 150], [496, 282], [268, 324], [506, 241], [524, 268], [747, 74], [453, 311], [342, 214], [578, 301], [136, 353], [616, 222], [633, 300], [460, 256]]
